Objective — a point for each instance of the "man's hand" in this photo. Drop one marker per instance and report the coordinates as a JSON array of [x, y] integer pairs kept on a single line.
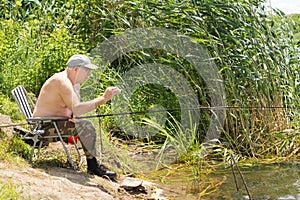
[[110, 92]]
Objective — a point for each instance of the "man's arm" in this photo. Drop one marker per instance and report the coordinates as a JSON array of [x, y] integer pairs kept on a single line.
[[78, 108]]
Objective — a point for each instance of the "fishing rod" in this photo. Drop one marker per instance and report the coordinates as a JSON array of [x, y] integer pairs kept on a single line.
[[167, 110], [181, 109], [8, 125]]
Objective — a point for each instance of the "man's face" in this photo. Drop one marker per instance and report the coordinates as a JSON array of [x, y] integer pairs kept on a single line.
[[83, 74]]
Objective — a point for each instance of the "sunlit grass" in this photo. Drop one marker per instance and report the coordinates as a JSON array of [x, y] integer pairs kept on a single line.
[[8, 190], [13, 150], [10, 154]]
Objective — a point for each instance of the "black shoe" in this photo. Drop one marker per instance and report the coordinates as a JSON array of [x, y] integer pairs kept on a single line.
[[103, 172], [99, 170]]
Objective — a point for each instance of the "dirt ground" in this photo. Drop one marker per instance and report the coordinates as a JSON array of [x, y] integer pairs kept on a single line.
[[60, 183], [67, 184]]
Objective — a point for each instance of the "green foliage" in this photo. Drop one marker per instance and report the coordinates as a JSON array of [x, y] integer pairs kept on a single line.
[[296, 27], [11, 149], [18, 147], [255, 54], [30, 54], [147, 96], [9, 108], [9, 191], [178, 139]]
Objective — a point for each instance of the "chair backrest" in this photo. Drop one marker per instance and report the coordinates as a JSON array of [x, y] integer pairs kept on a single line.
[[23, 100]]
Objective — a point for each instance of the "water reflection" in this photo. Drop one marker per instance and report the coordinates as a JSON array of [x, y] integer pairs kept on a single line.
[[264, 182]]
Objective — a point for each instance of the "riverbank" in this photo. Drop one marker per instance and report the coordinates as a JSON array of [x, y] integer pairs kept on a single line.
[[61, 183]]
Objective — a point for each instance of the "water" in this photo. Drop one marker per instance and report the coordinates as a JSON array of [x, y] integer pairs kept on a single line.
[[265, 182]]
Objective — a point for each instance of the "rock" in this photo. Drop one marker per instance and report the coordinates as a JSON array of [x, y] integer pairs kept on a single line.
[[5, 119], [130, 182], [133, 185]]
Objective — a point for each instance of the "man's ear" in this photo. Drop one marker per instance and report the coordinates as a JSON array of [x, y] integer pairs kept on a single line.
[[76, 69]]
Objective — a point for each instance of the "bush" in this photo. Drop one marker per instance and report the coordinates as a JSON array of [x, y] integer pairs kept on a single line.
[[12, 147], [18, 147], [7, 107], [30, 54]]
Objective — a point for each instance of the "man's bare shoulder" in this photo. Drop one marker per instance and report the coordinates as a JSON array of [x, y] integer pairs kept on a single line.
[[54, 97], [59, 81]]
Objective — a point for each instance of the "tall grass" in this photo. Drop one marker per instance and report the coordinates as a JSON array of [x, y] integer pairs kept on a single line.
[[261, 74], [296, 27]]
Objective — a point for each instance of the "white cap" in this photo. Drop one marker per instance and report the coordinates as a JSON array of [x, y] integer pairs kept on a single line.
[[81, 61]]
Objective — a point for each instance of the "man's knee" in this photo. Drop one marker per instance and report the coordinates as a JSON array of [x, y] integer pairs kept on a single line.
[[85, 128]]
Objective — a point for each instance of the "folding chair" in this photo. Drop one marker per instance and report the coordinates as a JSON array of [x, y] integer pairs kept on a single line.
[[36, 132]]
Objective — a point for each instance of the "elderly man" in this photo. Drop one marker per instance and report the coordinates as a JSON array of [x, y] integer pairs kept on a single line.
[[59, 96]]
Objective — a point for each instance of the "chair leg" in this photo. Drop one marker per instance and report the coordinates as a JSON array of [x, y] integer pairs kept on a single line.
[[64, 146], [39, 149], [31, 154], [78, 152], [35, 140]]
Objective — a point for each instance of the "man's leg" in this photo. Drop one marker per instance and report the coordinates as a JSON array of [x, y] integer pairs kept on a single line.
[[87, 136]]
